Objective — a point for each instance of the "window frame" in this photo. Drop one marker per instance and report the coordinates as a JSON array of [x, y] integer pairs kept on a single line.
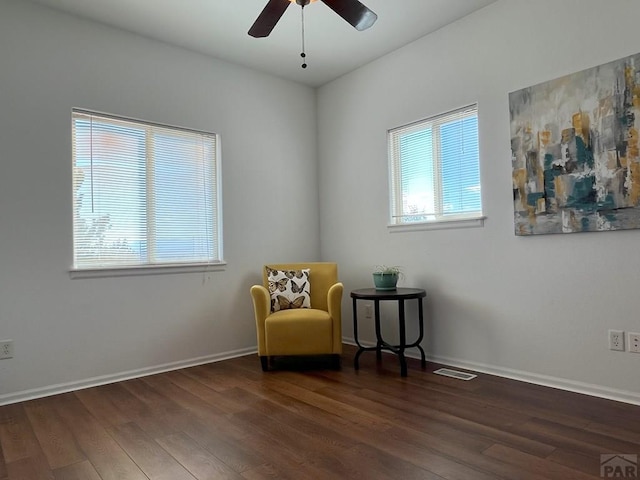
[[441, 221], [76, 271]]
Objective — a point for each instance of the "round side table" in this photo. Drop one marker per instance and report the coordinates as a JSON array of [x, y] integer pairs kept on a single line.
[[399, 295]]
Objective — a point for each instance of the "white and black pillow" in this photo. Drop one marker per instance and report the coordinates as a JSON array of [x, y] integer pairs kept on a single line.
[[289, 289]]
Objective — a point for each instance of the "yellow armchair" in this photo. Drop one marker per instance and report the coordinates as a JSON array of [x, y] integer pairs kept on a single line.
[[301, 331]]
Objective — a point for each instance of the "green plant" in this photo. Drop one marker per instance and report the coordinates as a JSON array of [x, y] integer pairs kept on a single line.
[[386, 277], [386, 270]]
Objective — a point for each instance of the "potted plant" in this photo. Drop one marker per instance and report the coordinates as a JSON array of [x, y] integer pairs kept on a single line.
[[386, 278]]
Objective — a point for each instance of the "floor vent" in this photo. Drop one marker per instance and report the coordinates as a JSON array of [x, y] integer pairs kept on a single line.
[[447, 372]]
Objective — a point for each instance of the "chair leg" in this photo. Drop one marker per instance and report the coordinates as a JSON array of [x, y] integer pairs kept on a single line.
[[336, 361], [265, 363]]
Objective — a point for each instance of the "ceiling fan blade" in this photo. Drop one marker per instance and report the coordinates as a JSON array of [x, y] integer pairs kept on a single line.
[[353, 12], [268, 18]]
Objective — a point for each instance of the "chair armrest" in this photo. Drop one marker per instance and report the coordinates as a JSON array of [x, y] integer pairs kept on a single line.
[[261, 309], [334, 304]]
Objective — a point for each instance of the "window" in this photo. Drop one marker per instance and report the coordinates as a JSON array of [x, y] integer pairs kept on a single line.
[[144, 195], [435, 171]]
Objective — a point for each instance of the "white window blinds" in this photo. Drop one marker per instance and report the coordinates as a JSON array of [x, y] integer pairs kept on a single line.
[[435, 169], [144, 194]]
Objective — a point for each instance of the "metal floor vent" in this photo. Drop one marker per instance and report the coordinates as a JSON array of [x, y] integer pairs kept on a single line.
[[447, 372]]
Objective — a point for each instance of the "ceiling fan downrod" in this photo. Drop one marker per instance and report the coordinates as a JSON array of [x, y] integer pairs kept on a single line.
[[303, 54]]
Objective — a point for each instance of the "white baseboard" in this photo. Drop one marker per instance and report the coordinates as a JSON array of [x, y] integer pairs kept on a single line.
[[118, 377], [545, 380]]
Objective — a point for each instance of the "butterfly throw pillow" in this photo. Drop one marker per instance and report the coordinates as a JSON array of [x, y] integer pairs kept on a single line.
[[289, 289]]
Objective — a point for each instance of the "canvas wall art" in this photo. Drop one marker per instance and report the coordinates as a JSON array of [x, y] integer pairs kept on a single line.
[[575, 151]]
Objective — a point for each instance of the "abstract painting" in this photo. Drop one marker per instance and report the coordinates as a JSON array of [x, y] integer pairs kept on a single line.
[[575, 151]]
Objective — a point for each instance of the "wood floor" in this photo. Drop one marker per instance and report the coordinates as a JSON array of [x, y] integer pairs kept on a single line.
[[230, 420]]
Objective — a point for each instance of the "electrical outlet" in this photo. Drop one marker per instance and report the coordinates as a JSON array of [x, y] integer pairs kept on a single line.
[[6, 349], [634, 342], [367, 310], [616, 340]]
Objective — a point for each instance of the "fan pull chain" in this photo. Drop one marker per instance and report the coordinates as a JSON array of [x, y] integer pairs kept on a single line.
[[303, 54]]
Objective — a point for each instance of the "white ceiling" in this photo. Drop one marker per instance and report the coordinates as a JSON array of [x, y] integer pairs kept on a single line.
[[218, 28]]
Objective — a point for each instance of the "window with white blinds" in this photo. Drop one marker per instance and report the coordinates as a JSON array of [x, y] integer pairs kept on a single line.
[[435, 169], [143, 194]]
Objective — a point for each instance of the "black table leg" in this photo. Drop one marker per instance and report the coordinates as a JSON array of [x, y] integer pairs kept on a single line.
[[356, 364], [421, 323], [403, 340], [379, 343]]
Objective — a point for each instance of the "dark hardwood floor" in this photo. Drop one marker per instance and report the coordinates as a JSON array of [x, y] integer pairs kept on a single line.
[[229, 420]]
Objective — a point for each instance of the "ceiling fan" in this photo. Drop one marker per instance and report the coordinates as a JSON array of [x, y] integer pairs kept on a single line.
[[354, 12]]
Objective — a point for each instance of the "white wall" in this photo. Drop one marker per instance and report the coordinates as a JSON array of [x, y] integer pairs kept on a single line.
[[67, 331], [535, 308], [532, 307]]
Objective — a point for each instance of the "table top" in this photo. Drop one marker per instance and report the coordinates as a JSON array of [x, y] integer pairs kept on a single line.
[[397, 294]]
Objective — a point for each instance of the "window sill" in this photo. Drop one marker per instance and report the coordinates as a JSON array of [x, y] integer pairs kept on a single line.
[[475, 222], [146, 270]]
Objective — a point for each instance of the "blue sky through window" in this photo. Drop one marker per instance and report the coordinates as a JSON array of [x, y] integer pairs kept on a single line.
[[435, 168]]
